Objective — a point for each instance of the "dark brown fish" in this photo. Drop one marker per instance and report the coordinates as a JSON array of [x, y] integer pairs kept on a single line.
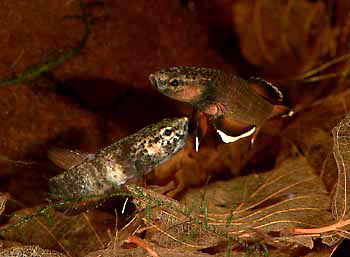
[[127, 160], [233, 104]]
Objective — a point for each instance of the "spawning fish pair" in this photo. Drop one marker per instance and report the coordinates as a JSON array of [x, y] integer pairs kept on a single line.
[[230, 102]]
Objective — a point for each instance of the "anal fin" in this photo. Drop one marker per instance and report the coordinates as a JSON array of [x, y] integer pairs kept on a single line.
[[230, 139]]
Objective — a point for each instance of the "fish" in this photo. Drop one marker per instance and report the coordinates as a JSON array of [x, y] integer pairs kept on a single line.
[[90, 178], [234, 105]]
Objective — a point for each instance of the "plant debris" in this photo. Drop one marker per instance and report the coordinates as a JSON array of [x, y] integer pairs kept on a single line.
[[287, 195]]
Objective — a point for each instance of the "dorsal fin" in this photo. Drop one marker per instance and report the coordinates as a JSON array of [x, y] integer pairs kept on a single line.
[[266, 89], [65, 158]]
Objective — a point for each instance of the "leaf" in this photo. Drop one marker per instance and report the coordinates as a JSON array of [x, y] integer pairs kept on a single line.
[[172, 224], [55, 230], [341, 135], [29, 251], [256, 207], [341, 201], [339, 229], [311, 133], [263, 206], [110, 252], [277, 33]]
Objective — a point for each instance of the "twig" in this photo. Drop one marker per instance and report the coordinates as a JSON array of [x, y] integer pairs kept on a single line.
[[332, 227], [170, 236], [55, 238], [94, 230], [323, 67], [142, 243]]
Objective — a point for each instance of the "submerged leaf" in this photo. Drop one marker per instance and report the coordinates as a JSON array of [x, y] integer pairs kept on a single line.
[[341, 206], [279, 35], [341, 135], [172, 223], [29, 251], [52, 229], [311, 133], [256, 207], [339, 229], [265, 205]]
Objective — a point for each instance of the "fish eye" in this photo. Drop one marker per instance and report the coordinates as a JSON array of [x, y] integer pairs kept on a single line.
[[167, 132], [174, 82]]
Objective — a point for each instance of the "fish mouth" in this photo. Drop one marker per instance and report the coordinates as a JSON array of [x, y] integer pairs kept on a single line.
[[156, 81], [184, 127], [153, 79], [184, 122]]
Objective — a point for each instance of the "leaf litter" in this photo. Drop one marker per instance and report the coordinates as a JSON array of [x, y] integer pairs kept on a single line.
[[287, 207], [284, 208], [338, 230]]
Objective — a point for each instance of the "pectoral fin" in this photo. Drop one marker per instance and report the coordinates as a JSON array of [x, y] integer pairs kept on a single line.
[[65, 158]]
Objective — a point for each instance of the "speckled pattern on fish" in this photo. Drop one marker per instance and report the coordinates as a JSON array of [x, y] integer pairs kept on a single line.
[[129, 159]]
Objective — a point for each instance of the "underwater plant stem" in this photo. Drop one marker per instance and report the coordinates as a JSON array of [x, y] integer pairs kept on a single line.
[[48, 65]]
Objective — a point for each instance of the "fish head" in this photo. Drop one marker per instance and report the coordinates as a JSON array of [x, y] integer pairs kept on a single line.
[[156, 143], [184, 83]]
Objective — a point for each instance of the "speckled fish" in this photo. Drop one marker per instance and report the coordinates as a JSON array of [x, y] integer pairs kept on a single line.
[[233, 104], [126, 161]]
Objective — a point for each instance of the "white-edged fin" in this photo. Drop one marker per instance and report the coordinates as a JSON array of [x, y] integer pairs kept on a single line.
[[270, 89], [229, 139], [65, 158]]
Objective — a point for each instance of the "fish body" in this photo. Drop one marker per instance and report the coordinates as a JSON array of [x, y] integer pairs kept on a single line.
[[126, 160], [228, 100]]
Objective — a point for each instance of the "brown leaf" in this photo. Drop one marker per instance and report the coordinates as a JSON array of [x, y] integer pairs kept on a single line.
[[339, 229], [29, 251], [55, 230], [341, 149], [252, 207], [311, 133], [171, 223], [264, 205], [110, 252], [279, 35], [341, 203]]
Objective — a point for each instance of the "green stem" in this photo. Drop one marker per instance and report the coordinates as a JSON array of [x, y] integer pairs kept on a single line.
[[48, 65]]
